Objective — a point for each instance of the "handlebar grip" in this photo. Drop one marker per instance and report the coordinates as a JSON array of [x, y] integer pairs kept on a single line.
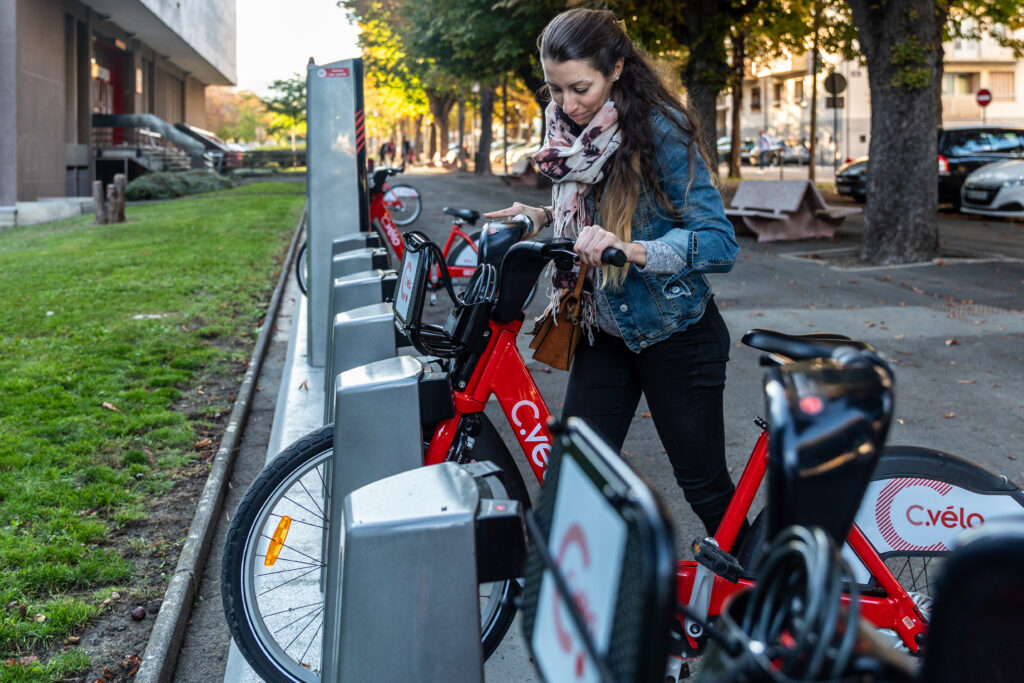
[[615, 257]]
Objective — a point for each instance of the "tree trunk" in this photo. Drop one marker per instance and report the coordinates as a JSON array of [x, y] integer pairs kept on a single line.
[[812, 148], [441, 104], [701, 99], [483, 149], [903, 54], [417, 147], [432, 152], [739, 57], [461, 104]]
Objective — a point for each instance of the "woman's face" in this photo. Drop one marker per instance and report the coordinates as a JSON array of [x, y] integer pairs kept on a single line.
[[578, 88]]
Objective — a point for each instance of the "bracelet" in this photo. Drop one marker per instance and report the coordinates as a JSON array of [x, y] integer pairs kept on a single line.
[[547, 213]]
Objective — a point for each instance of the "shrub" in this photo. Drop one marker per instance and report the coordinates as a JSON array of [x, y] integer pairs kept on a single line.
[[168, 185]]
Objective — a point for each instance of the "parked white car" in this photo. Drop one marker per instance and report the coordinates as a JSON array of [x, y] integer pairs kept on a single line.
[[995, 189]]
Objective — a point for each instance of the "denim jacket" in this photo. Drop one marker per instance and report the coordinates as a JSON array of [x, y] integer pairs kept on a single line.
[[649, 307]]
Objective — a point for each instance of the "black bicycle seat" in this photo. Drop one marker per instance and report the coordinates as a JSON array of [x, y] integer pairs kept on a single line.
[[800, 346], [468, 215]]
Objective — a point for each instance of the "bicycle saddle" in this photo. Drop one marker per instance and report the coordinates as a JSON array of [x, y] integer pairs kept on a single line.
[[800, 346], [468, 215]]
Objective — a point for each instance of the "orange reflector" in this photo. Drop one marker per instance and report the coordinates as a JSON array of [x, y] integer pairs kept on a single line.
[[277, 542]]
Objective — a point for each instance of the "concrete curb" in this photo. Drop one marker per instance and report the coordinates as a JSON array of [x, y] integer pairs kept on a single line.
[[161, 653]]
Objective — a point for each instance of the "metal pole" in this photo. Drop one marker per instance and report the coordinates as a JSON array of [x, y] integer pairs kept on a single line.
[[504, 121]]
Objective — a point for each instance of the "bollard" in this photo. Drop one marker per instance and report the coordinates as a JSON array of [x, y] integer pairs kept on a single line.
[[348, 292], [377, 434], [361, 335], [410, 574]]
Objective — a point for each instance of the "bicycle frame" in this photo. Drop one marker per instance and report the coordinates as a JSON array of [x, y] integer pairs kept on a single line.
[[502, 373]]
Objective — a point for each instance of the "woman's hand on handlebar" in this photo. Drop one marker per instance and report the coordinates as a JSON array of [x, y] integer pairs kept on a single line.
[[593, 240], [537, 215]]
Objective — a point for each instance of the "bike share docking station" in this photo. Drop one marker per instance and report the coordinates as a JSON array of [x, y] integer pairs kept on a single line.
[[337, 183]]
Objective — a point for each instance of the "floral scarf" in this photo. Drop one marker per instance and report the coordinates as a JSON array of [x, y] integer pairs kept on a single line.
[[575, 163]]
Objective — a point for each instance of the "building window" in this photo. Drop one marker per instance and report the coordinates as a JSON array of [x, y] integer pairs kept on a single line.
[[961, 83], [777, 95], [755, 99], [798, 91], [1001, 84]]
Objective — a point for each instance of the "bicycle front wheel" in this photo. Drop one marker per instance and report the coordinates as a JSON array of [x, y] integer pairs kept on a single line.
[[302, 267], [274, 560], [404, 203]]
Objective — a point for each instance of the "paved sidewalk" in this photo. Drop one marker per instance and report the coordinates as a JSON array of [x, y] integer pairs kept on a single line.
[[953, 330]]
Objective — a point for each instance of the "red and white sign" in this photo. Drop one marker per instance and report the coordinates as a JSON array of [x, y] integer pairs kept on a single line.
[[984, 97], [588, 541], [910, 514], [334, 72]]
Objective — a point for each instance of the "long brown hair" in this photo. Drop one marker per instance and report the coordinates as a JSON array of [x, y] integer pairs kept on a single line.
[[597, 37]]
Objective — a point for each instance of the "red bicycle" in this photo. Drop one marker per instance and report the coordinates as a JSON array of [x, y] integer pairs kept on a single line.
[[392, 206], [918, 499]]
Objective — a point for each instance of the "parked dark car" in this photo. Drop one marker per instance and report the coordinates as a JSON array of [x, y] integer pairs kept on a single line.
[[851, 179], [962, 150]]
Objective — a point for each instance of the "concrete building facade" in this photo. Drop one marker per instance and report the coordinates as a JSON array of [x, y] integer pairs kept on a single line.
[[777, 96], [61, 61]]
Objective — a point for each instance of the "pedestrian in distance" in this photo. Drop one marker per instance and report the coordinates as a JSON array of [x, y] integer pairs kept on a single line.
[[383, 153], [629, 172], [764, 144], [391, 152]]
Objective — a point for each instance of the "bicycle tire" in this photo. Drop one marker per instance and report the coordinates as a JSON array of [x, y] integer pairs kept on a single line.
[[302, 267], [915, 567], [260, 628], [409, 206]]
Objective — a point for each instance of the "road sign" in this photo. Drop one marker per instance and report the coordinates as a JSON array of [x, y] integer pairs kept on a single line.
[[834, 83], [984, 97], [834, 102]]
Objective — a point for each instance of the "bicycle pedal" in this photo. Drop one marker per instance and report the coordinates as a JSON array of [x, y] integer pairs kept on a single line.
[[707, 553]]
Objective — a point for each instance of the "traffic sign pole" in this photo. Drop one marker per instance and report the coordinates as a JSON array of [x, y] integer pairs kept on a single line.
[[984, 97]]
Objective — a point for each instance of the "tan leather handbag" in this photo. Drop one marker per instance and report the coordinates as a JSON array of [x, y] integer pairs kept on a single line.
[[557, 336]]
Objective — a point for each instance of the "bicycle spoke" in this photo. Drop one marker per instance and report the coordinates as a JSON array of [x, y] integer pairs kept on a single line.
[[281, 585], [314, 605], [311, 641], [303, 629]]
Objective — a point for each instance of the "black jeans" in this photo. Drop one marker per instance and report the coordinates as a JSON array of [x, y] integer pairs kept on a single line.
[[683, 378]]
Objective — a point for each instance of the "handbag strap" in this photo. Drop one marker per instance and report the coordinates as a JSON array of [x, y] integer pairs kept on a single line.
[[579, 282]]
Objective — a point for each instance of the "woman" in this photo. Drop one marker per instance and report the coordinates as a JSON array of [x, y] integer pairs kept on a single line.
[[628, 172]]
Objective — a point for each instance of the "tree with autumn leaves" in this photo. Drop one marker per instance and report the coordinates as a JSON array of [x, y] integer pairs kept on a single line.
[[448, 43]]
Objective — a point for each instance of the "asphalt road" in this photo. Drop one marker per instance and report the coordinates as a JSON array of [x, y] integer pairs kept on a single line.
[[954, 331]]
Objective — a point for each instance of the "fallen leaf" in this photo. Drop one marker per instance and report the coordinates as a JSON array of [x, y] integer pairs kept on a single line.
[[304, 386], [967, 381], [40, 618], [645, 414], [74, 640], [27, 659], [110, 406], [952, 342], [901, 420], [1011, 457], [202, 443], [941, 262], [948, 415], [149, 454], [917, 290]]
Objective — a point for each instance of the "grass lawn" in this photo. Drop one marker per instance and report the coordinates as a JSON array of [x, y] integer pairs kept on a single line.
[[104, 332]]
